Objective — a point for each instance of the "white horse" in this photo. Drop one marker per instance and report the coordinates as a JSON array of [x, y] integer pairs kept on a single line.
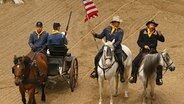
[[147, 71], [107, 70]]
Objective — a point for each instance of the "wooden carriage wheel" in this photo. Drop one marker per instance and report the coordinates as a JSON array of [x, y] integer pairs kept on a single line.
[[74, 74]]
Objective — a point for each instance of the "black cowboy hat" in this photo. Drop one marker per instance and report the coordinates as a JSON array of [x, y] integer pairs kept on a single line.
[[153, 22], [39, 24]]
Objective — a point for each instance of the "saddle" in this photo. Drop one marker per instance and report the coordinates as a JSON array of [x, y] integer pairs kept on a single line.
[[124, 55]]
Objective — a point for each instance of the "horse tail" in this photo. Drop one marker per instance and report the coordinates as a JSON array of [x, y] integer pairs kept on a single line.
[[147, 79]]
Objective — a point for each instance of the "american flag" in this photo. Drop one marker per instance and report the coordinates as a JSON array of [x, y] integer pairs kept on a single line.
[[91, 9]]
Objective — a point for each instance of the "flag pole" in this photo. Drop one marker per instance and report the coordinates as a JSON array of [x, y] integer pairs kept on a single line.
[[89, 23]]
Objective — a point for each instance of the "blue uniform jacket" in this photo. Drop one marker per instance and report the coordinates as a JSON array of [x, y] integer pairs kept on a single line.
[[38, 42], [144, 39], [117, 35], [57, 38]]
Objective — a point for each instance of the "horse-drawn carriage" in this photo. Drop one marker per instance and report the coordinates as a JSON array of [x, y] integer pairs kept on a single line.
[[62, 65]]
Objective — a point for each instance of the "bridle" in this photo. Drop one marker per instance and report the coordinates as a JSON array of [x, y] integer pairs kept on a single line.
[[22, 69], [168, 64], [105, 69]]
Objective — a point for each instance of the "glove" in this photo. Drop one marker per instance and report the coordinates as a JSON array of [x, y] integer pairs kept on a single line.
[[34, 48]]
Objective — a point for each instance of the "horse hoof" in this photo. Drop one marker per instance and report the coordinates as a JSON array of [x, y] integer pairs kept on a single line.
[[153, 98], [111, 102], [43, 102], [126, 94], [100, 101], [115, 95]]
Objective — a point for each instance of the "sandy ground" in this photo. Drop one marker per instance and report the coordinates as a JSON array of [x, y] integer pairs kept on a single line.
[[17, 22]]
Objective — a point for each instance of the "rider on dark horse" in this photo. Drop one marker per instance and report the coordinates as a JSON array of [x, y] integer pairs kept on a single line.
[[38, 38], [112, 32], [147, 42]]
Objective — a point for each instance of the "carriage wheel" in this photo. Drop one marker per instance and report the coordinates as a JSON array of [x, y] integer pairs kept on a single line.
[[74, 74]]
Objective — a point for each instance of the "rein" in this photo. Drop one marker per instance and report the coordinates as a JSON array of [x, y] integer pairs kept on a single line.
[[106, 69]]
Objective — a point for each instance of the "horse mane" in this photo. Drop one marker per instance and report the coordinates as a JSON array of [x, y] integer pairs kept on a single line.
[[16, 60], [150, 63], [27, 60]]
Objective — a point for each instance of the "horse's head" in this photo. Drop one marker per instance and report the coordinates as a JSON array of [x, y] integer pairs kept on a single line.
[[108, 52], [19, 67], [167, 62]]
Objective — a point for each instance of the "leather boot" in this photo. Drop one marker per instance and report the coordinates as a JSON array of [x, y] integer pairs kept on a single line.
[[159, 82], [121, 71]]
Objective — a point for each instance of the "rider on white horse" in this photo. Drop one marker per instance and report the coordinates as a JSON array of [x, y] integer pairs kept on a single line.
[[147, 41], [112, 32]]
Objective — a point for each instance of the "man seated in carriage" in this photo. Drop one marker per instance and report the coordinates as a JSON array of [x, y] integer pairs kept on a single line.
[[112, 32], [57, 38], [38, 38]]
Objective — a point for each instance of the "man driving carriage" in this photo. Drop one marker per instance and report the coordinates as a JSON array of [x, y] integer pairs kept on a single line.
[[111, 32], [147, 42], [38, 38]]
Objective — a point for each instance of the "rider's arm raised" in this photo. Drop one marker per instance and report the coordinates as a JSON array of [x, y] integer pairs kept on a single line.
[[160, 37]]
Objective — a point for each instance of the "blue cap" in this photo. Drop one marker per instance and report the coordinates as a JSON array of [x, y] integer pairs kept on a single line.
[[56, 25], [39, 24]]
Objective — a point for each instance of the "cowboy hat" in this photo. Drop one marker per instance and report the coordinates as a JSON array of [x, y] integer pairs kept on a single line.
[[116, 19], [153, 22]]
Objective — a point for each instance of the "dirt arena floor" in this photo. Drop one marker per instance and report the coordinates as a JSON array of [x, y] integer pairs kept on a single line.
[[18, 21]]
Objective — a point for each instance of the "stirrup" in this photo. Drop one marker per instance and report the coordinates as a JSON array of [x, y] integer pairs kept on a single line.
[[93, 75], [133, 79]]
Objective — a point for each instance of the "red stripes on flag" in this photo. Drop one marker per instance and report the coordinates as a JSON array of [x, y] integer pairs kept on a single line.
[[91, 9]]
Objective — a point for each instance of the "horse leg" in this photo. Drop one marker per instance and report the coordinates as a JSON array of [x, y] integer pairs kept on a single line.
[[144, 90], [152, 93], [111, 83], [100, 82], [22, 92], [43, 98], [116, 78], [31, 93], [127, 69], [34, 101]]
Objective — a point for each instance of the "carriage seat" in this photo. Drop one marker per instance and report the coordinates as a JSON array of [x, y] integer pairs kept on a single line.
[[57, 50]]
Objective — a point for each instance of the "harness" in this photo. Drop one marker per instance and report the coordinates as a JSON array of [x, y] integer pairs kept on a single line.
[[105, 69], [26, 71]]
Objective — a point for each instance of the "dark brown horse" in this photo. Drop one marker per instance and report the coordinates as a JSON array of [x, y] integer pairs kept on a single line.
[[30, 72]]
